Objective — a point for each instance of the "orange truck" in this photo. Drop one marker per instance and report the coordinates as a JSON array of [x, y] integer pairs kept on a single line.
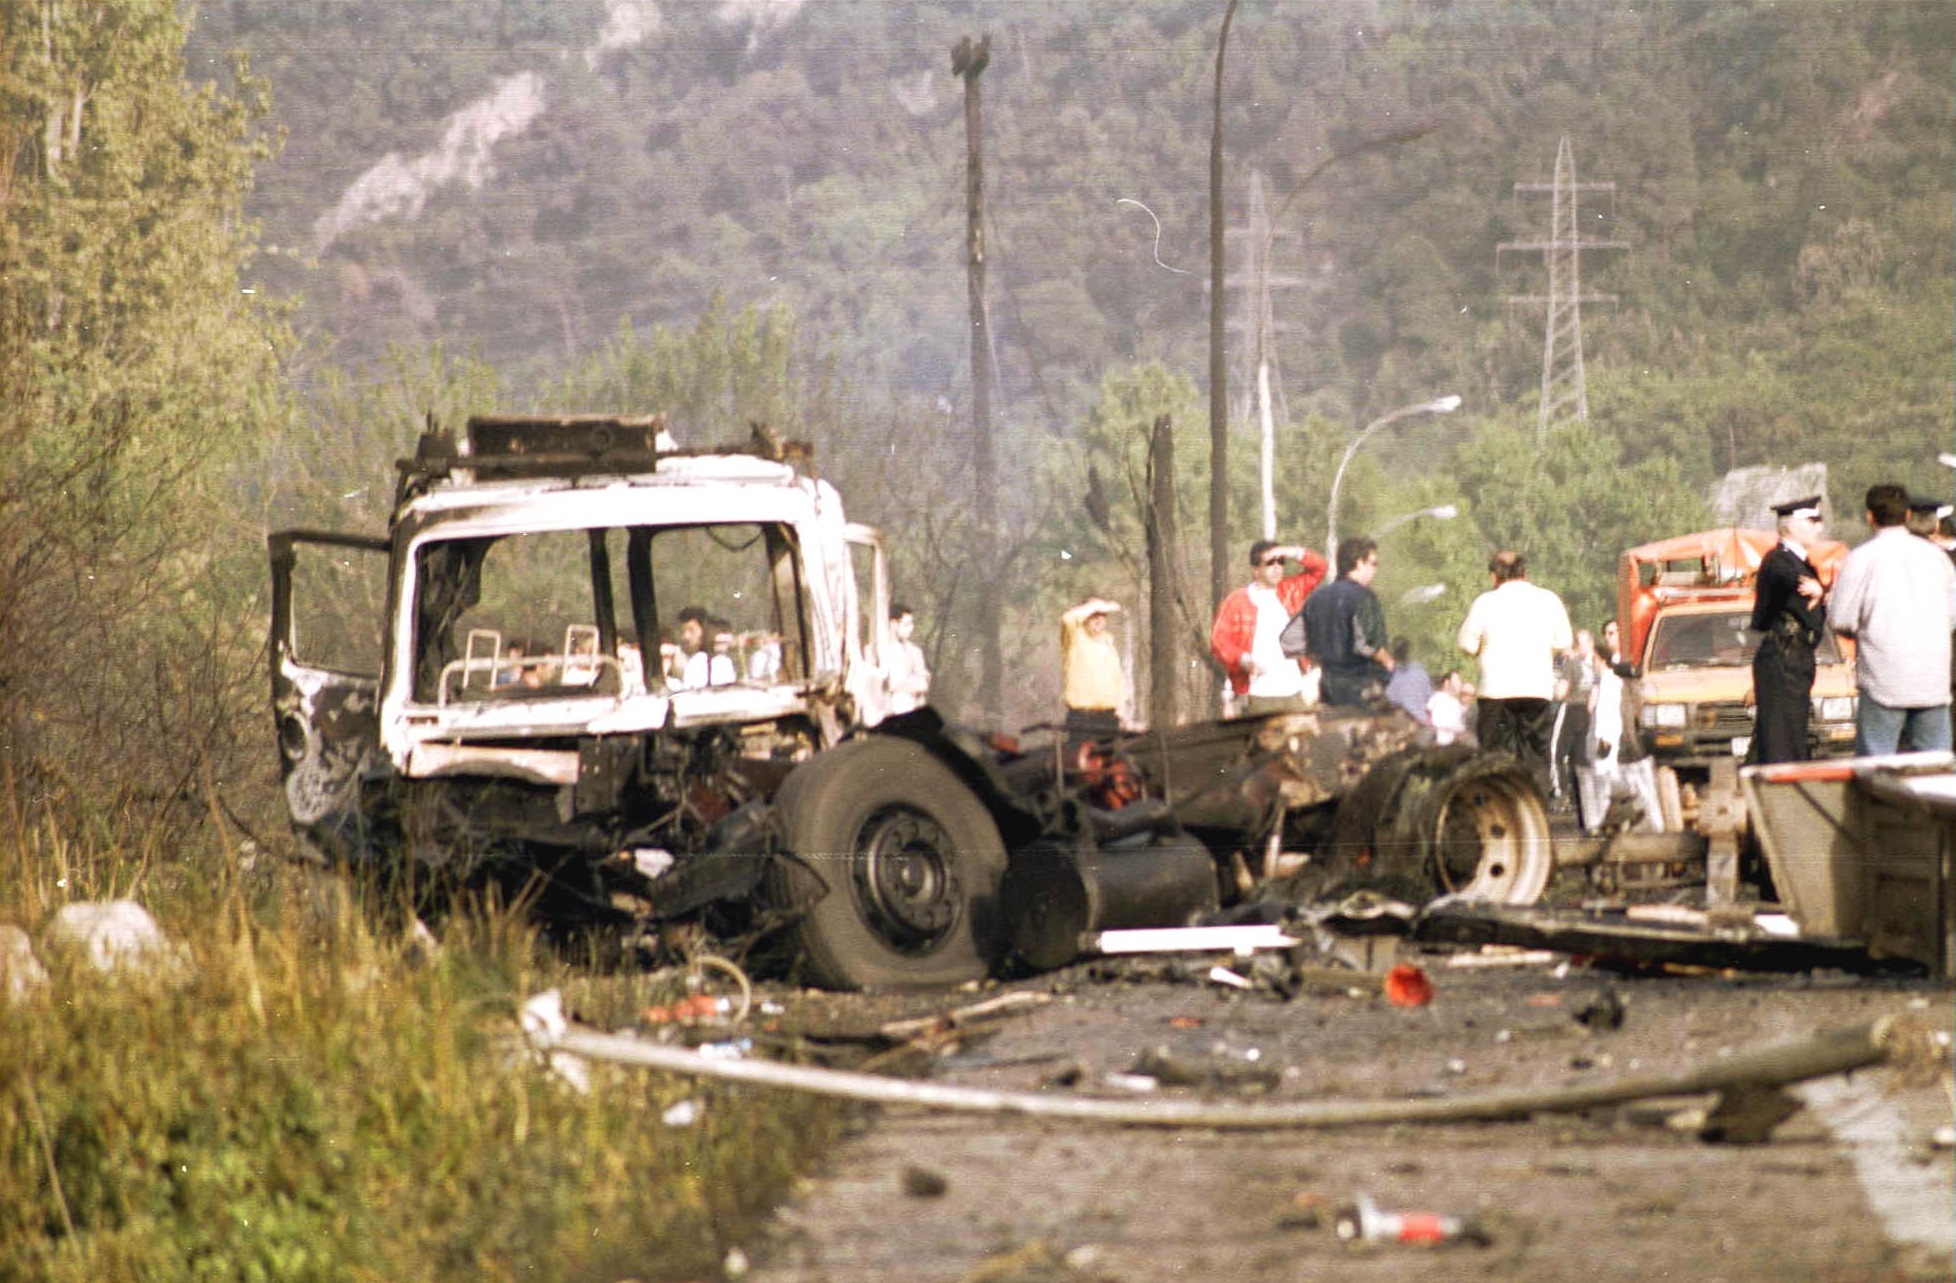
[[1684, 607]]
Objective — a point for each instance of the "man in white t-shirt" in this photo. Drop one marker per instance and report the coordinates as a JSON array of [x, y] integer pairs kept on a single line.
[[1516, 630]]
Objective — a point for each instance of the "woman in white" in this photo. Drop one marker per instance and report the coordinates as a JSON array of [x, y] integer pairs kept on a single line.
[[1617, 765]]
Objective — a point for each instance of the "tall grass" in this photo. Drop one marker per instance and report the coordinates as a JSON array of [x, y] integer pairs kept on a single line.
[[311, 1097]]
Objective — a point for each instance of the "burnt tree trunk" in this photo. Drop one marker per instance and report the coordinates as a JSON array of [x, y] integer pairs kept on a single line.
[[968, 60], [1164, 670]]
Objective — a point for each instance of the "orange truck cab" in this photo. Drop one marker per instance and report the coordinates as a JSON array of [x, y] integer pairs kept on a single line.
[[1684, 607]]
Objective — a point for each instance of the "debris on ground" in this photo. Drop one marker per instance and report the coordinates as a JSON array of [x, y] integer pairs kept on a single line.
[[921, 1182], [1365, 1222], [1407, 986], [1221, 939], [545, 1023], [1602, 1010], [1246, 1073]]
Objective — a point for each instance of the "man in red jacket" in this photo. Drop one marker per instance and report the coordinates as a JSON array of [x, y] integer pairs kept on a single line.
[[1248, 623]]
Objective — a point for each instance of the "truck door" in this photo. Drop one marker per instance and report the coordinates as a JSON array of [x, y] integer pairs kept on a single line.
[[868, 639], [329, 611]]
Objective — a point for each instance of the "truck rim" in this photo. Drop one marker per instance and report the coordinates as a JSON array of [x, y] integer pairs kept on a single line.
[[1493, 841], [905, 879]]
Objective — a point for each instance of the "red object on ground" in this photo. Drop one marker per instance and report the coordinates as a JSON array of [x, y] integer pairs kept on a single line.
[[1425, 1227], [1407, 986]]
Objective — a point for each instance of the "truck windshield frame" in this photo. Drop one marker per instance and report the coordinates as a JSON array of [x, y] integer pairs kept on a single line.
[[559, 613]]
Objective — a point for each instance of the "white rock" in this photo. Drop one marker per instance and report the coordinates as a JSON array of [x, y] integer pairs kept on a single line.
[[114, 933], [20, 971]]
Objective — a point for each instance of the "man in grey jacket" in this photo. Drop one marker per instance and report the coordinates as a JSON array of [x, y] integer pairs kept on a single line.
[[1896, 597]]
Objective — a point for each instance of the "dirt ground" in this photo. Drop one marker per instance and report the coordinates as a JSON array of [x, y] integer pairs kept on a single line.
[[1846, 1189]]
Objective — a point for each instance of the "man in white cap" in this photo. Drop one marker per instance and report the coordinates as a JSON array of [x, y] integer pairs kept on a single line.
[[1787, 607]]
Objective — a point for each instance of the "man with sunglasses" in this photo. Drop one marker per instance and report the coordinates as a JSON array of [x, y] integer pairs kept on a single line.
[[1244, 638]]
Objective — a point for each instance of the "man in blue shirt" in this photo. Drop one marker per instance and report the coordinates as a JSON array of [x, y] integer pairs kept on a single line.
[[1344, 629]]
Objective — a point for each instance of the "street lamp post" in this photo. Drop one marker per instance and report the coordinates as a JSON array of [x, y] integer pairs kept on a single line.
[[1444, 512], [1439, 405]]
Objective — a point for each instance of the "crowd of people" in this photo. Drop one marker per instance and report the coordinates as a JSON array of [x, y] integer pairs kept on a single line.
[[1565, 706], [1570, 709]]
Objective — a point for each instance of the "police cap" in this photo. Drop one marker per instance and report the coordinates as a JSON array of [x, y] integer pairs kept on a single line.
[[1807, 507]]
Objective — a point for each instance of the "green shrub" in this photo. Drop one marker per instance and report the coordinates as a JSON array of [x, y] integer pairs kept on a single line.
[[309, 1098]]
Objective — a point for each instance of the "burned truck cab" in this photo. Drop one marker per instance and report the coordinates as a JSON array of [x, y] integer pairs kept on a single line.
[[591, 649]]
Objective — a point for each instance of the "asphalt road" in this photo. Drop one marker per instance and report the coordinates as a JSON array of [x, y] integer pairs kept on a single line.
[[1847, 1188]]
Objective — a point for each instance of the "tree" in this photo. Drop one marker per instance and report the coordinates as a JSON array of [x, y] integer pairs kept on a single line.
[[1572, 505], [139, 370]]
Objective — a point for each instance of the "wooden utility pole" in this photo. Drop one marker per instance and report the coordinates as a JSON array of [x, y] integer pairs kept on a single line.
[[1164, 674], [968, 60], [1218, 356]]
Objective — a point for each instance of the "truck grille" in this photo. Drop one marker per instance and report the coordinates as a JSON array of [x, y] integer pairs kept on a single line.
[[1722, 719]]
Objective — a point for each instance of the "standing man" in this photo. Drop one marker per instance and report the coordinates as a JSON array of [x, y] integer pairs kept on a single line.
[[1516, 630], [1091, 680], [1345, 631], [1612, 648], [1575, 683], [1896, 596], [1244, 638], [1787, 607], [908, 676]]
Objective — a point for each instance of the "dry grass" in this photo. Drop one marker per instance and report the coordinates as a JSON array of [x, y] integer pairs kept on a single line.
[[313, 1098]]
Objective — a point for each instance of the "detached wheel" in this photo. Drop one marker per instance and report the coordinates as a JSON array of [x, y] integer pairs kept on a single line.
[[1490, 834], [906, 861], [1446, 821]]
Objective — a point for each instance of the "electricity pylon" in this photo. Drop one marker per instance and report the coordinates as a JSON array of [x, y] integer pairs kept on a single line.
[[1564, 395]]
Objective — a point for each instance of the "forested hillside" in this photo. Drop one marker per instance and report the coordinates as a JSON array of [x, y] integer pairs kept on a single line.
[[517, 181]]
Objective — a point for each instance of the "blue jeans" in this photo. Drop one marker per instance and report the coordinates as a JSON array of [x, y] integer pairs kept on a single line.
[[1880, 729]]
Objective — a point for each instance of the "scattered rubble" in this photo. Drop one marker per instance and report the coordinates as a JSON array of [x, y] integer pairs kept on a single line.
[[1365, 1222]]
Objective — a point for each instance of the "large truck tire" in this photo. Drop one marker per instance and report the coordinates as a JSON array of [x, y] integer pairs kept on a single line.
[[906, 864], [1444, 821]]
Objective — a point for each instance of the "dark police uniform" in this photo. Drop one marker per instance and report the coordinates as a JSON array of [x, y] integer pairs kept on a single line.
[[1782, 667]]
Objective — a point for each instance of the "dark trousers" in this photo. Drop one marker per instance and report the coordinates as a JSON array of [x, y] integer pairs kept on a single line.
[[1353, 685], [1782, 692], [1083, 724], [1519, 727], [1571, 748]]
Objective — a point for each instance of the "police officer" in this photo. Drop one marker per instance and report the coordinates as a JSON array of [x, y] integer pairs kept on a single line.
[[1788, 609]]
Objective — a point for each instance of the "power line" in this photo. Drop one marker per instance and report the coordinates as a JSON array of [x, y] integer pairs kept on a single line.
[[1565, 395]]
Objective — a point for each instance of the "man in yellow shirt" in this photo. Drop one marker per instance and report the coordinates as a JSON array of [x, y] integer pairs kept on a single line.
[[1091, 680]]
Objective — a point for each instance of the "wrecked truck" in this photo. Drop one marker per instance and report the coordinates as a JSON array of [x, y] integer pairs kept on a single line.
[[490, 693]]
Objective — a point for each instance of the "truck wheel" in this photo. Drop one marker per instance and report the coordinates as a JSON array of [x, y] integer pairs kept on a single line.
[[910, 860], [1446, 821], [1490, 836]]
